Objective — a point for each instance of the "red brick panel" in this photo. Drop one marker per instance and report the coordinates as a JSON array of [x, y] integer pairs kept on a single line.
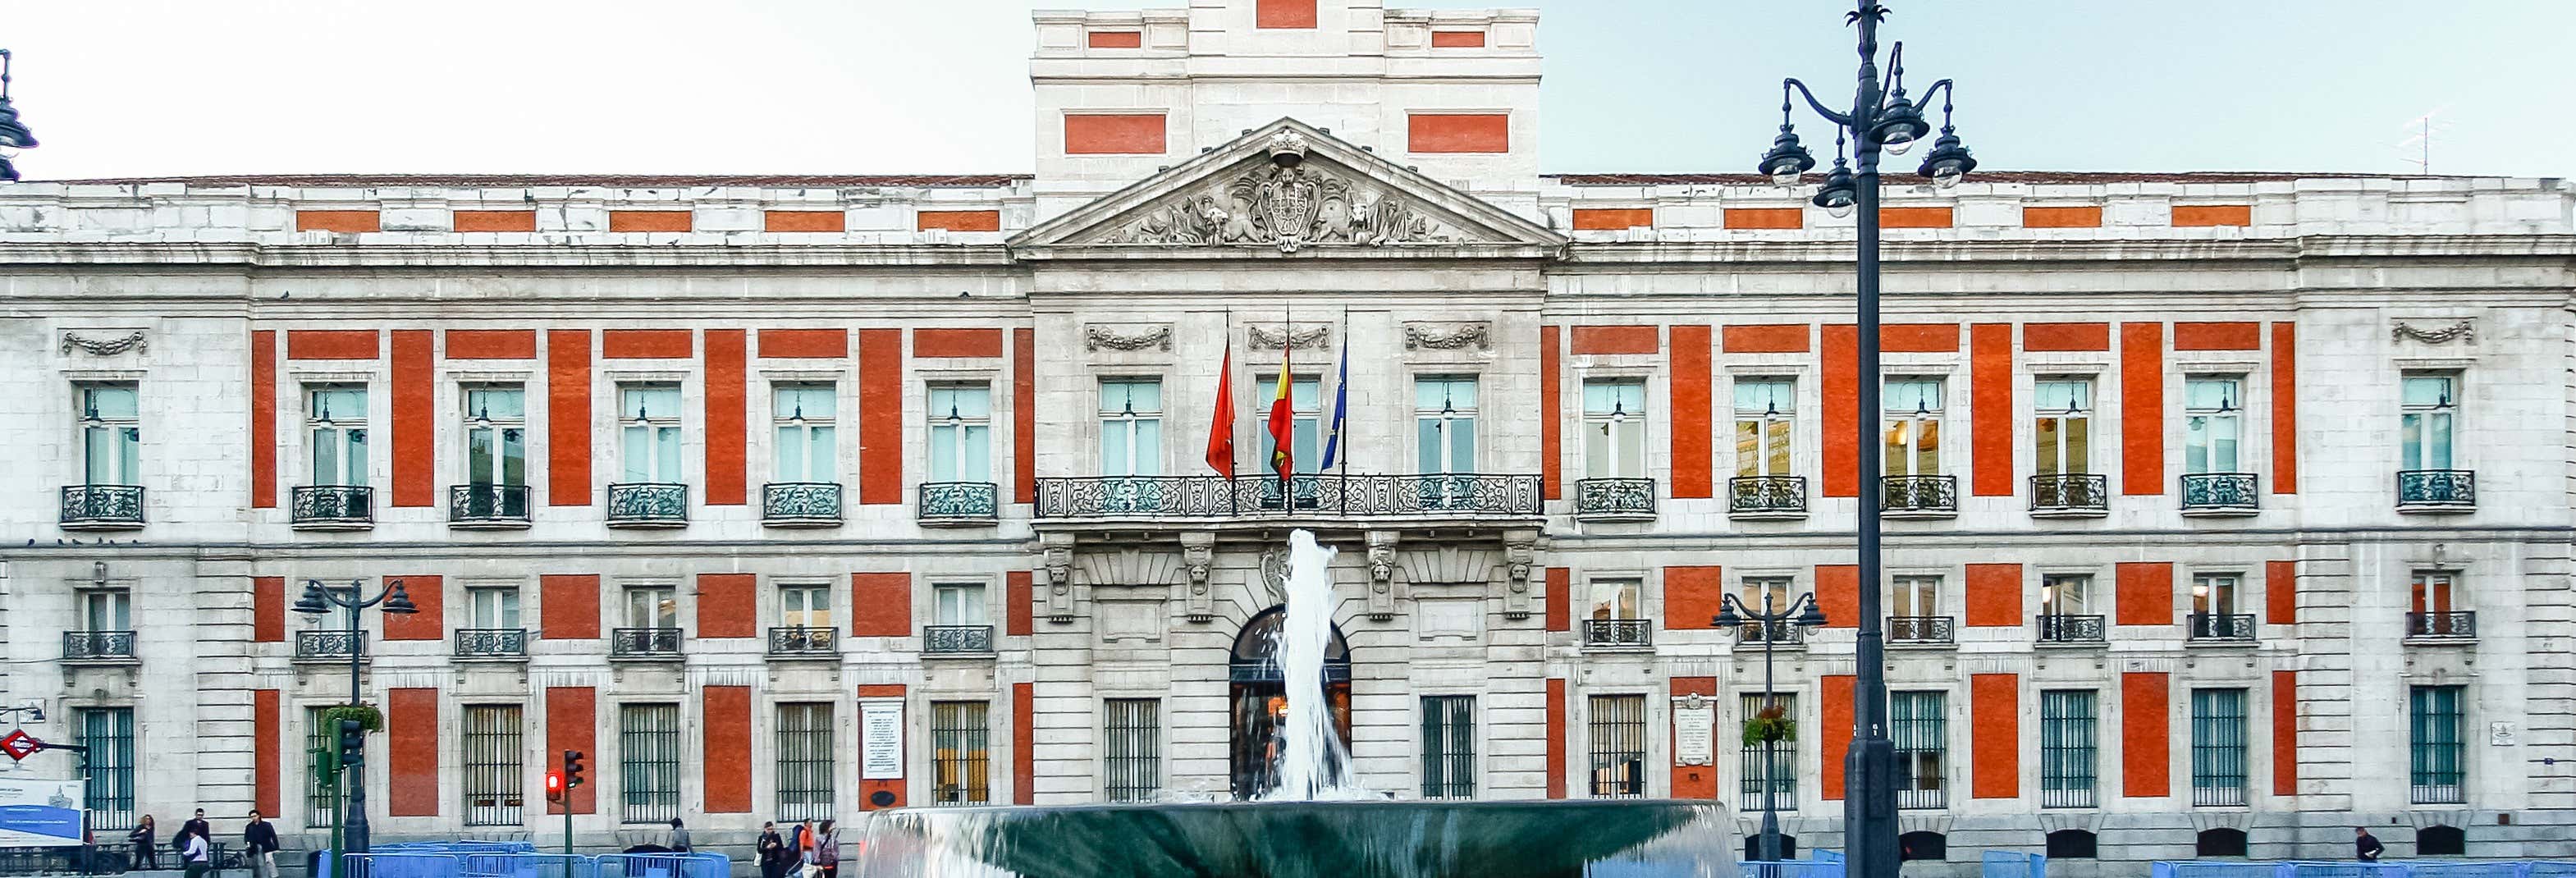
[[429, 594], [1560, 599], [2066, 336], [1117, 39], [1692, 597], [1551, 411], [1994, 595], [2213, 215], [2285, 408], [1695, 781], [337, 221], [411, 753], [2142, 404], [1838, 594], [2281, 592], [881, 417], [1919, 338], [1019, 588], [494, 220], [1612, 219], [791, 344], [1914, 217], [268, 610], [1616, 340], [415, 422], [1556, 737], [957, 343], [2146, 593], [263, 419], [1283, 14], [569, 606], [572, 724], [2285, 733], [1457, 39], [2145, 736], [727, 411], [1990, 410], [803, 221], [2089, 217], [650, 220], [1024, 763], [1841, 388], [1024, 415], [1772, 338], [331, 344], [1113, 134], [1994, 713], [959, 220], [1834, 730], [728, 605], [491, 344], [2234, 336], [1458, 132], [568, 417], [881, 604], [646, 344], [267, 731], [1766, 218], [1694, 439], [726, 752]]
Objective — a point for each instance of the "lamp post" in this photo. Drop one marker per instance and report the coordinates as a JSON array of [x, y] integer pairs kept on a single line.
[[1879, 119], [1733, 615], [316, 601], [13, 134]]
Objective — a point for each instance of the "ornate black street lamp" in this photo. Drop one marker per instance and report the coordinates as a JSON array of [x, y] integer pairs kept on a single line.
[[1774, 627], [316, 601], [13, 134], [1878, 120]]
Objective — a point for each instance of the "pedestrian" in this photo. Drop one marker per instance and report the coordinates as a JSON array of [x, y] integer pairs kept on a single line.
[[2366, 846], [771, 850], [259, 840], [828, 843], [679, 836], [146, 856], [195, 855], [196, 825], [806, 864]]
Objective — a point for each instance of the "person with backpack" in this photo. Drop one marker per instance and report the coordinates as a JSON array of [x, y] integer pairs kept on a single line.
[[827, 850]]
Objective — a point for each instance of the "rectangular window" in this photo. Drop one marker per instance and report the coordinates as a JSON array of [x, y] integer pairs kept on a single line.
[[106, 609], [2218, 746], [958, 603], [1305, 403], [1134, 758], [1777, 761], [1913, 412], [1618, 726], [2213, 424], [496, 434], [2436, 764], [801, 416], [2432, 590], [2062, 412], [1921, 732], [652, 606], [1915, 596], [649, 417], [108, 732], [1131, 427], [958, 731], [1449, 746], [805, 761], [493, 783], [111, 434], [2066, 594], [321, 791], [1766, 414], [648, 763], [493, 606], [805, 606], [2431, 408], [1616, 599], [961, 433], [1444, 417], [2214, 594], [1614, 429], [336, 417], [2067, 726]]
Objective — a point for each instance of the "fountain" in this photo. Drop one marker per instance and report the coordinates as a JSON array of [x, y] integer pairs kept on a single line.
[[1317, 822]]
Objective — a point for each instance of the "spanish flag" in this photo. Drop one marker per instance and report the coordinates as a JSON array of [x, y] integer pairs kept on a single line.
[[1283, 417]]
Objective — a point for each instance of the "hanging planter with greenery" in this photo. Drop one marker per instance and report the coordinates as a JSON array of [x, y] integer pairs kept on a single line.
[[368, 717], [1769, 726]]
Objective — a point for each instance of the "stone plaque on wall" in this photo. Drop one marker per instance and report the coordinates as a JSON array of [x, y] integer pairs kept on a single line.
[[1694, 732]]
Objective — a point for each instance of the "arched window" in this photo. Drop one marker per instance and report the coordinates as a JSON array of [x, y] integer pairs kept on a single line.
[[1923, 845], [1259, 694], [2071, 844], [2441, 841], [1753, 846], [2220, 842]]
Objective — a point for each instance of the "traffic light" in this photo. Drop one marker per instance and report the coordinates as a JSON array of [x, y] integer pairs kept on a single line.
[[554, 786], [353, 743], [572, 769]]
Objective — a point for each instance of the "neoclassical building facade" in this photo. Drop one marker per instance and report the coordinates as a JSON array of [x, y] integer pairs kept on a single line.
[[798, 497]]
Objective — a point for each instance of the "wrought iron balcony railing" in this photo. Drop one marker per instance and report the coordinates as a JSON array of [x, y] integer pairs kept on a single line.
[[2070, 495], [2070, 629], [91, 646], [644, 643], [102, 507], [2437, 490], [487, 506], [1921, 629], [1782, 633], [1618, 633], [960, 503], [1430, 495], [1919, 496], [2219, 494], [332, 507], [800, 504], [1609, 499], [804, 640], [648, 504], [491, 643], [329, 644], [2220, 626], [2446, 624], [957, 639], [1754, 497]]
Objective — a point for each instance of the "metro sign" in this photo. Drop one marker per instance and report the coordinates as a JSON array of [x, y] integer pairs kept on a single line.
[[20, 745]]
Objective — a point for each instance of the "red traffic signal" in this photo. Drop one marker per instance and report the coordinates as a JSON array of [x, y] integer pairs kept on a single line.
[[554, 786]]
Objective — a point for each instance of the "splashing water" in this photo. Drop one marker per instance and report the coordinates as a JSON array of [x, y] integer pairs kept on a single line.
[[1315, 766]]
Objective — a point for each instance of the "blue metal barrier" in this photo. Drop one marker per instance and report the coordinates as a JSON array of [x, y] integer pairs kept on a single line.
[[1828, 856], [675, 865], [2201, 869], [2010, 864], [2455, 869], [2549, 869], [1792, 869]]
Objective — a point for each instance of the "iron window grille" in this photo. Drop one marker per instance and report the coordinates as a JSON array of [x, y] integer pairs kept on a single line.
[[1133, 762], [1449, 746], [648, 763], [2068, 725], [2436, 762], [1618, 727], [108, 732], [1781, 766], [2218, 747], [959, 735], [1921, 733], [805, 761], [494, 779], [321, 790]]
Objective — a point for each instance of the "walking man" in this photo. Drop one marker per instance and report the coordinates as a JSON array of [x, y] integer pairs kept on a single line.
[[259, 839], [195, 855], [2366, 846]]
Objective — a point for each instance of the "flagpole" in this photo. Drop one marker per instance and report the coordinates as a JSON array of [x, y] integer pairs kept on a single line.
[[1341, 411], [1288, 384], [1233, 505]]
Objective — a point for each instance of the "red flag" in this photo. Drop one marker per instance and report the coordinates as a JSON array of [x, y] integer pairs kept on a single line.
[[1283, 419], [1220, 444]]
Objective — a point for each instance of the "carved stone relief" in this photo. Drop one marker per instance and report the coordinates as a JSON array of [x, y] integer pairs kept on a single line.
[[1285, 203], [104, 346], [1381, 567], [1520, 553], [1058, 550], [1476, 335], [2463, 331], [1198, 556], [1096, 337], [1310, 336]]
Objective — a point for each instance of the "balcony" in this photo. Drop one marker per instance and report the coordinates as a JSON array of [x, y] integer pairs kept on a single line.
[[486, 506], [804, 641], [332, 645], [492, 643], [1618, 633], [644, 644], [2070, 495], [332, 507], [2220, 628], [648, 504], [1919, 497], [2219, 494], [102, 507], [1443, 496], [800, 504], [1784, 634], [974, 640], [959, 504], [2070, 630], [98, 646], [1766, 498], [2446, 625], [1921, 631], [2437, 491], [1614, 500]]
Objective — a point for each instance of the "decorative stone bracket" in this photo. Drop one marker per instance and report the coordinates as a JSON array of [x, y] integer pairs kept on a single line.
[[1058, 550], [1520, 554], [1381, 568], [1198, 556]]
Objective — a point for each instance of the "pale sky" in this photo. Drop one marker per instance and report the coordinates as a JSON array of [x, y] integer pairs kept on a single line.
[[155, 87]]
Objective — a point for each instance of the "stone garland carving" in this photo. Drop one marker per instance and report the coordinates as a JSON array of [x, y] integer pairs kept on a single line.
[[107, 347], [1095, 338], [1520, 550], [2463, 331], [1284, 203], [1293, 339], [1453, 336]]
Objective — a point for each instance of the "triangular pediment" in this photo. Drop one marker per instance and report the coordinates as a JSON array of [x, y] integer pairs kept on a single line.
[[1289, 188]]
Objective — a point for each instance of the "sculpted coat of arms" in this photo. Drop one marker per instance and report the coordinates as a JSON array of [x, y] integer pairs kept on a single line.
[[1286, 203]]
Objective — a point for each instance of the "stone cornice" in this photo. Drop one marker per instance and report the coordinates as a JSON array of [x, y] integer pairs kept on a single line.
[[508, 255]]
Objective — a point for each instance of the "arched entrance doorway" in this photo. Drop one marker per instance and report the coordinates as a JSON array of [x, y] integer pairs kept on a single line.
[[1259, 695]]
